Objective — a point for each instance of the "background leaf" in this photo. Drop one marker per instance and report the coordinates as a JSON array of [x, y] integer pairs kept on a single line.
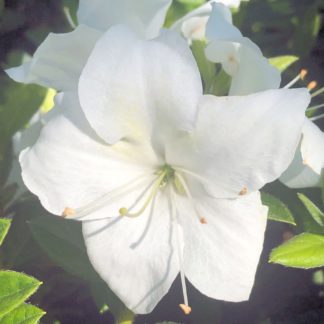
[[314, 211], [4, 227], [283, 62], [303, 251], [15, 288], [278, 211], [23, 314]]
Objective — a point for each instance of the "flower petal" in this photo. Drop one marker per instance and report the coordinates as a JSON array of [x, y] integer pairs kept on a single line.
[[70, 166], [219, 26], [221, 256], [145, 16], [242, 143], [193, 24], [239, 56], [136, 257], [250, 70], [140, 88], [305, 170], [58, 62]]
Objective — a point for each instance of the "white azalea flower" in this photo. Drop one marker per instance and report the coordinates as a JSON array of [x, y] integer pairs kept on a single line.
[[193, 24], [306, 168], [58, 61], [163, 178], [239, 56]]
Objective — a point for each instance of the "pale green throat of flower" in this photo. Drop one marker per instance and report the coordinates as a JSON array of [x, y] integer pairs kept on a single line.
[[164, 177]]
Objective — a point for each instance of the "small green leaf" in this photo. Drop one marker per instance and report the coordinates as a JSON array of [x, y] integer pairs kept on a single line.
[[23, 314], [303, 251], [15, 288], [315, 212], [278, 211], [282, 63], [4, 227]]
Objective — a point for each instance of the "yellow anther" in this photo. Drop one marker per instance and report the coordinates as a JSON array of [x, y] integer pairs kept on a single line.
[[123, 211], [67, 212], [244, 191], [203, 220], [303, 73], [185, 308], [312, 85]]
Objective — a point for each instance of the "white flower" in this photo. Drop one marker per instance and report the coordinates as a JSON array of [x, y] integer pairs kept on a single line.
[[306, 168], [58, 61], [163, 178], [239, 56], [193, 24]]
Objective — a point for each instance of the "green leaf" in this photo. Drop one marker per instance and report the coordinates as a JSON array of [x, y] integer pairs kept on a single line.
[[303, 251], [15, 288], [283, 62], [315, 212], [278, 211], [4, 227], [62, 240], [23, 314], [18, 103]]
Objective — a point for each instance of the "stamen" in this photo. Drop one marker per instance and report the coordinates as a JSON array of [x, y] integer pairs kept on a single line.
[[174, 215], [312, 85], [317, 117], [185, 308], [300, 76], [303, 73], [315, 107], [68, 212], [156, 185], [317, 92], [244, 191], [82, 212], [202, 220], [195, 175]]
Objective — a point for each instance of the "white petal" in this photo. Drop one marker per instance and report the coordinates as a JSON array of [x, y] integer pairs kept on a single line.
[[224, 52], [193, 24], [58, 62], [254, 74], [221, 257], [194, 28], [312, 146], [70, 166], [305, 170], [136, 257], [145, 16], [243, 142], [242, 59], [219, 26], [139, 88]]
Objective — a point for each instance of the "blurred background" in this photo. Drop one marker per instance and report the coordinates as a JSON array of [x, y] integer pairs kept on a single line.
[[52, 250]]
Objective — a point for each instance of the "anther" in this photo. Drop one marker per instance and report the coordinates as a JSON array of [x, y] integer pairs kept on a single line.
[[67, 212], [244, 191], [203, 220], [123, 211], [303, 73], [185, 308], [312, 85]]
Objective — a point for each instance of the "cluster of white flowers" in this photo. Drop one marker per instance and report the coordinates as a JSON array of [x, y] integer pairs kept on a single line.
[[164, 179]]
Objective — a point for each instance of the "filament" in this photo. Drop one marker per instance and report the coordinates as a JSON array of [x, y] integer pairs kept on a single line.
[[174, 215], [156, 185], [80, 213]]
